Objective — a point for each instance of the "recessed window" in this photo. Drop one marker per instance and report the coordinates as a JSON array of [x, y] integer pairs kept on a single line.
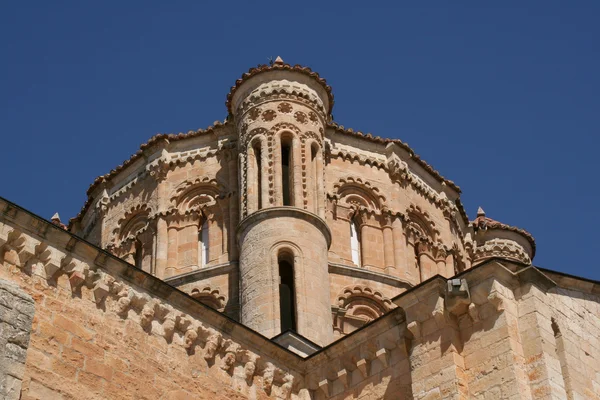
[[287, 301], [354, 243], [203, 244]]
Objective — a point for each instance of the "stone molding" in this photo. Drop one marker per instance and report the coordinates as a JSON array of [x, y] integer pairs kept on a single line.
[[285, 211]]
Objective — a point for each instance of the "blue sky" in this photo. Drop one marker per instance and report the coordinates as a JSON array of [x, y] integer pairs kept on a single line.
[[501, 97]]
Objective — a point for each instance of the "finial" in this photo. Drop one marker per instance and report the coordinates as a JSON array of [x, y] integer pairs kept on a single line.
[[480, 212], [55, 217], [279, 61]]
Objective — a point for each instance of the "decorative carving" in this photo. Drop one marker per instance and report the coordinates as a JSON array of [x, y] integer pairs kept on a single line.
[[147, 315], [356, 191], [212, 345], [285, 107], [254, 113], [301, 117], [268, 376], [228, 361], [501, 248], [269, 115], [210, 297], [358, 305], [189, 339], [286, 387]]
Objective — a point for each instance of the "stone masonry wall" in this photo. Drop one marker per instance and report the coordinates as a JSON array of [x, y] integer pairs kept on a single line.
[[16, 315], [106, 330]]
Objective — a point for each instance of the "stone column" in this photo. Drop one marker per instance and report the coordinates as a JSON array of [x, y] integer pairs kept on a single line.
[[320, 186], [171, 251], [296, 170], [252, 184], [450, 265], [399, 248], [16, 314], [264, 174], [388, 246], [441, 263], [233, 205], [162, 238], [224, 230], [277, 170]]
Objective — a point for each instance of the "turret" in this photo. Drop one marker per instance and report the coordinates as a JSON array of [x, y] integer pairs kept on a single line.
[[280, 113], [493, 239]]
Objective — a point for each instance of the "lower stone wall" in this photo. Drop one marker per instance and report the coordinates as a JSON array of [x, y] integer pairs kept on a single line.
[[16, 315], [106, 330], [83, 349]]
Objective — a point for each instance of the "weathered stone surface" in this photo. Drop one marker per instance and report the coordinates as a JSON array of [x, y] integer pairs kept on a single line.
[[16, 316]]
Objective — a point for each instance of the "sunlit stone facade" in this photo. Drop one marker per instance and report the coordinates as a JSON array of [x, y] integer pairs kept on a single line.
[[334, 264]]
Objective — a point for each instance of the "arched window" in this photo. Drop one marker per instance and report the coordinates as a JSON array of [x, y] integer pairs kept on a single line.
[[287, 183], [314, 170], [138, 255], [203, 244], [287, 295], [355, 243], [258, 166]]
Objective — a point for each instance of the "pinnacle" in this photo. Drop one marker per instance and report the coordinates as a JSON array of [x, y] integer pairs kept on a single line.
[[480, 212], [279, 61], [55, 216]]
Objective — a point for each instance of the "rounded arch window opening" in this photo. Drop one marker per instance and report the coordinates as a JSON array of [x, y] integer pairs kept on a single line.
[[355, 243], [256, 146], [203, 244], [138, 254], [287, 292], [287, 183]]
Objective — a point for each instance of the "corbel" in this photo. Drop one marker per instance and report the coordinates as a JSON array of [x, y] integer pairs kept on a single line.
[[212, 344], [343, 377], [189, 338], [381, 355], [286, 387], [457, 296], [414, 327], [268, 376], [361, 365], [100, 290], [147, 314], [324, 386]]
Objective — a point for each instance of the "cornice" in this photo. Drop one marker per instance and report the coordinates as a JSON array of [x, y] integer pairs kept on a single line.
[[414, 156], [263, 68], [155, 168]]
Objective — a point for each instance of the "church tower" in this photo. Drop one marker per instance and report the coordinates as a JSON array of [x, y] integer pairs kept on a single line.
[[280, 113]]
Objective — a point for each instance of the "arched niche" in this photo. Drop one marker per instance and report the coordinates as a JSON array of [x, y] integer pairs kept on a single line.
[[357, 305], [210, 297]]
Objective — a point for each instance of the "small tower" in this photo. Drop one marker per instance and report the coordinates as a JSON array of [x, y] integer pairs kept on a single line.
[[280, 113]]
